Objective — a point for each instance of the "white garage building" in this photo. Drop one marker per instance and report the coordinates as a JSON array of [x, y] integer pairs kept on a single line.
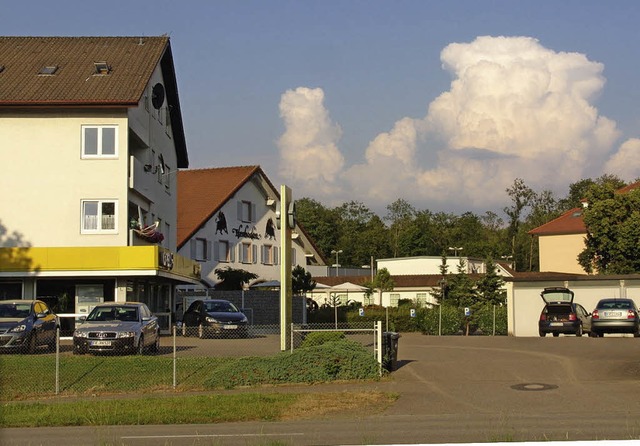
[[525, 304]]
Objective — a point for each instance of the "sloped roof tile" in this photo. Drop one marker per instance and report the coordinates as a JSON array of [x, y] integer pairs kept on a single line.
[[202, 192], [75, 82]]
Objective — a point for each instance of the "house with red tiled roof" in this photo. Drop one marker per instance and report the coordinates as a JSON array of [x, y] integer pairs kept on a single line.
[[227, 217], [91, 139], [561, 240]]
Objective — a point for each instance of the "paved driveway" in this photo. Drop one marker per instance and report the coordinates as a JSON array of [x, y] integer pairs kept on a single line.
[[452, 389]]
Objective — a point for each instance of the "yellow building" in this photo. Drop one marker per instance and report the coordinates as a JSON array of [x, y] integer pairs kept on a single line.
[[91, 138]]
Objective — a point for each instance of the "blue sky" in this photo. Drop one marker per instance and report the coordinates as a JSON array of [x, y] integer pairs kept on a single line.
[[442, 103]]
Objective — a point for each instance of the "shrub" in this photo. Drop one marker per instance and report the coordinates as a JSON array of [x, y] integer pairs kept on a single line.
[[335, 360], [321, 337]]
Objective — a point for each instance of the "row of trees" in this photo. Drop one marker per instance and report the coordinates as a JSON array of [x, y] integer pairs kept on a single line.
[[406, 231]]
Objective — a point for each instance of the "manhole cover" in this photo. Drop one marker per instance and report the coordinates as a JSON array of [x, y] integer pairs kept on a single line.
[[534, 387]]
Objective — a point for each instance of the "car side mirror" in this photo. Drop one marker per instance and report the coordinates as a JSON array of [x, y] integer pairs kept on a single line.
[[146, 319], [82, 318], [40, 315]]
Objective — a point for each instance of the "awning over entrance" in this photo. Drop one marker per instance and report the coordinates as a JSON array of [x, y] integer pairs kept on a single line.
[[116, 261]]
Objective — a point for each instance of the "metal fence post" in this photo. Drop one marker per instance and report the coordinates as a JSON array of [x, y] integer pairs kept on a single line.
[[378, 328], [174, 358], [57, 360]]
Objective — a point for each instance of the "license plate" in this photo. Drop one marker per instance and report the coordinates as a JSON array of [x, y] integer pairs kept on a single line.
[[100, 343], [613, 314], [230, 327], [556, 324]]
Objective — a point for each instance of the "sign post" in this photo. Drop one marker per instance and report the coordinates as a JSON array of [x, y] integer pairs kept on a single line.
[[287, 224]]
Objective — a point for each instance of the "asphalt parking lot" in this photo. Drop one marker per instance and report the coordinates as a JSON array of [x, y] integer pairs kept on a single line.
[[451, 389]]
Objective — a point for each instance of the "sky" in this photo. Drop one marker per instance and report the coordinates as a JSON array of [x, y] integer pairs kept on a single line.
[[440, 103]]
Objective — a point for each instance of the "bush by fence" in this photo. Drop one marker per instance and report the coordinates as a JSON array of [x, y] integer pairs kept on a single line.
[[448, 320]]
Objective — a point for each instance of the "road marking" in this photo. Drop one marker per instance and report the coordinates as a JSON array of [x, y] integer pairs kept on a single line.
[[149, 437]]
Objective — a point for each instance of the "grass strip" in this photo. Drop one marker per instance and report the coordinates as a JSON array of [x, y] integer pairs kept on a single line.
[[190, 409]]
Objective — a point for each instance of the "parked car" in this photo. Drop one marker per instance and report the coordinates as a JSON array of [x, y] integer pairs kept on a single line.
[[117, 327], [206, 318], [614, 315], [27, 324], [561, 314]]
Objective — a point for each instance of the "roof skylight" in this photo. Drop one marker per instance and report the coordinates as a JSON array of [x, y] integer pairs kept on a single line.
[[102, 68], [48, 70]]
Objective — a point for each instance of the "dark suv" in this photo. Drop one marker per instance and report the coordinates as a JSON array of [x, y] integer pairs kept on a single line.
[[561, 315]]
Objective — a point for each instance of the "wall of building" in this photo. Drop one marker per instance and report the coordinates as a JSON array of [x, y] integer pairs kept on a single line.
[[258, 233], [45, 178], [525, 304], [559, 253]]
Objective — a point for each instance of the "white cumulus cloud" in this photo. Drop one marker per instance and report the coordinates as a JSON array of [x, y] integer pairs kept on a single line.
[[514, 109], [310, 158], [624, 163]]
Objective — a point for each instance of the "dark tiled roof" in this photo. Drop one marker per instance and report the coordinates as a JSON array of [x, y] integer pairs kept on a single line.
[[132, 61], [202, 192], [570, 222]]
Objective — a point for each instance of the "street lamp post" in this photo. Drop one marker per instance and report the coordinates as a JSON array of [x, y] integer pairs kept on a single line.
[[337, 265], [455, 250]]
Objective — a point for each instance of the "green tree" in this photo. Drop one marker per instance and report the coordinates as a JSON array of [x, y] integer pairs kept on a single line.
[[301, 280], [489, 288], [232, 278], [612, 220], [578, 190], [521, 197], [399, 214], [462, 293], [319, 223]]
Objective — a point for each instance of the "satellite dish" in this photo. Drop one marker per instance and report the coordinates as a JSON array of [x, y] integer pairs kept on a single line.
[[157, 95]]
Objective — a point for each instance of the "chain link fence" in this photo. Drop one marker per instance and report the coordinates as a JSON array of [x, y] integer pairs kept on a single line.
[[182, 361]]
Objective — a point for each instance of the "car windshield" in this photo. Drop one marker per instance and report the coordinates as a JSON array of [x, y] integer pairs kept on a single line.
[[13, 311], [220, 307], [615, 305], [114, 313]]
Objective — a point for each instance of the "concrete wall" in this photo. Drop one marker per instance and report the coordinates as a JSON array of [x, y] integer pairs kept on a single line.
[[525, 304]]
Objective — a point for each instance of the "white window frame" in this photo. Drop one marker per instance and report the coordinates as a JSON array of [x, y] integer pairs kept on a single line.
[[100, 155], [394, 298], [99, 218], [269, 255], [227, 255], [246, 211], [200, 249]]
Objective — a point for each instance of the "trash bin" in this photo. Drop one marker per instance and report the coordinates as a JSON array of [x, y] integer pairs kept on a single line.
[[390, 350]]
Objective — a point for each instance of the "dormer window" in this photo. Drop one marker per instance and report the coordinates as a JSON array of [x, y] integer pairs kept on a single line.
[[102, 68], [48, 70]]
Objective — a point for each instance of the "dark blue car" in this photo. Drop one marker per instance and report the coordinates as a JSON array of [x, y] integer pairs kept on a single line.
[[206, 318], [27, 324]]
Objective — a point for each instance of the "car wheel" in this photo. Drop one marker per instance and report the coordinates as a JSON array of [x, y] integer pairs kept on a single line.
[[636, 334], [542, 334], [593, 334], [579, 330], [140, 349], [555, 335]]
